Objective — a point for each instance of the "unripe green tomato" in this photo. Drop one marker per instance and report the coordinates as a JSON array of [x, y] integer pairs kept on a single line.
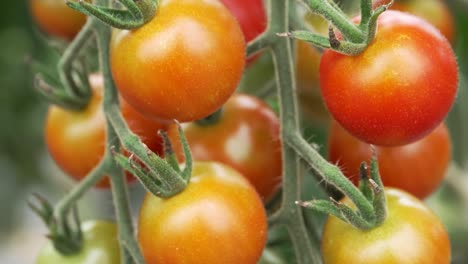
[[100, 246]]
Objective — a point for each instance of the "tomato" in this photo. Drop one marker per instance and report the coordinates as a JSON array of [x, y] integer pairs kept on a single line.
[[246, 137], [100, 246], [396, 91], [307, 81], [435, 12], [410, 234], [184, 64], [417, 168], [56, 18], [76, 140], [218, 218], [251, 16]]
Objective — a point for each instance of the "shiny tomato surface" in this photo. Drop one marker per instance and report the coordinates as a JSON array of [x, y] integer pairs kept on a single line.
[[435, 12], [399, 89], [411, 234], [218, 218], [183, 64], [246, 137]]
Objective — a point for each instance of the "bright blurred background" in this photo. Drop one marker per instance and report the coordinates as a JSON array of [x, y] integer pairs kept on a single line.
[[26, 168]]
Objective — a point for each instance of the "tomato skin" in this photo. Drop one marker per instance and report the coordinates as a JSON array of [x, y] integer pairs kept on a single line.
[[218, 218], [100, 246], [56, 18], [184, 64], [76, 140], [417, 168], [399, 89], [247, 138], [411, 234], [251, 16], [435, 12]]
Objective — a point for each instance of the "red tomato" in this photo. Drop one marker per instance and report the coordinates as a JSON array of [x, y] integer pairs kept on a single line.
[[399, 89], [246, 137], [76, 140], [435, 12], [417, 168], [184, 64], [410, 234], [251, 16], [218, 218], [56, 18]]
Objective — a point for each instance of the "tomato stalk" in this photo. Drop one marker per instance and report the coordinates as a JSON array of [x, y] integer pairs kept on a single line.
[[289, 215], [58, 86], [356, 38], [137, 13], [66, 236]]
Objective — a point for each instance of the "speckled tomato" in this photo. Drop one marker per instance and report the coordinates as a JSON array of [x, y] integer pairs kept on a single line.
[[184, 64], [399, 89], [435, 12], [56, 18], [76, 140], [246, 137], [417, 168], [218, 218], [410, 234]]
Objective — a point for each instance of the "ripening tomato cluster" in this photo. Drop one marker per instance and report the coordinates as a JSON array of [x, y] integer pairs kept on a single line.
[[186, 63], [169, 70]]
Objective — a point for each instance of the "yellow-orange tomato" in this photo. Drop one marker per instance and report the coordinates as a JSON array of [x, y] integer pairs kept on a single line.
[[76, 140], [411, 234], [218, 218], [246, 137], [435, 12], [184, 64], [417, 168], [56, 18]]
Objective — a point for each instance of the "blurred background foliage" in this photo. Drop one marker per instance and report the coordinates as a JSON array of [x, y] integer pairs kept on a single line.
[[25, 166], [21, 112]]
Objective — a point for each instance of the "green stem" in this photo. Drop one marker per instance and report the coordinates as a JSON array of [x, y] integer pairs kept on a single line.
[[67, 202], [349, 30], [290, 213], [332, 175], [366, 13], [66, 62], [128, 243]]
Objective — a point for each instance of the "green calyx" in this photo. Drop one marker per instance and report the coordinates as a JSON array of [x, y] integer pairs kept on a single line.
[[66, 236], [371, 188], [72, 94], [136, 12], [161, 177], [356, 38]]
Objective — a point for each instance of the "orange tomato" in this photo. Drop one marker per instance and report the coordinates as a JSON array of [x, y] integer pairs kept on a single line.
[[246, 137], [76, 140], [56, 18], [184, 64], [218, 218]]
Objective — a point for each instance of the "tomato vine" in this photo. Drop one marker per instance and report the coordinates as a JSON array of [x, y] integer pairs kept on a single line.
[[163, 177]]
